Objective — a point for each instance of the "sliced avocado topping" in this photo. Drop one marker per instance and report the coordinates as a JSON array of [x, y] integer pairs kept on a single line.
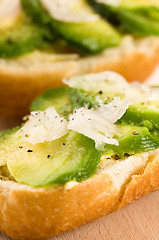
[[4, 139], [35, 11], [22, 38], [139, 20], [80, 97], [57, 97], [142, 116], [90, 37], [132, 139], [72, 157]]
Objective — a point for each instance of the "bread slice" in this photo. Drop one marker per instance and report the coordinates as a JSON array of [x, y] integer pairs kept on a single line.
[[22, 79], [36, 213]]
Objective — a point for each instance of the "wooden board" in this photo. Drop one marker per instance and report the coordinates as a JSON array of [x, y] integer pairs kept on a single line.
[[138, 221]]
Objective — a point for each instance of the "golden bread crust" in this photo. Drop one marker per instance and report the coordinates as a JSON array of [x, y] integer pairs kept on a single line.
[[20, 84], [141, 185], [30, 213]]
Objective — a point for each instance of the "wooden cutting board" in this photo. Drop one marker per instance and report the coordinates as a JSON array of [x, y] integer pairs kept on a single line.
[[138, 221]]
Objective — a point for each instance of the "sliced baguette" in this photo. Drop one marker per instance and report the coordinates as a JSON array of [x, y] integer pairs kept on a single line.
[[24, 78], [36, 213]]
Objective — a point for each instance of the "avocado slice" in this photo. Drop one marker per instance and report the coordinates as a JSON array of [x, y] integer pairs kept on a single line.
[[132, 139], [92, 37], [5, 135], [72, 157], [22, 38], [56, 97], [140, 20], [142, 116]]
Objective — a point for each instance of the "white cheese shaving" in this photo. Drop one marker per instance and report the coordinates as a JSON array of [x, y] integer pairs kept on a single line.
[[111, 82], [107, 81], [70, 10], [138, 92], [99, 124], [44, 126], [9, 12]]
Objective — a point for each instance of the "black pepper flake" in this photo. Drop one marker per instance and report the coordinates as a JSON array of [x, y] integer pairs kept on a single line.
[[48, 156], [64, 144], [72, 119], [135, 133], [30, 150], [100, 92], [126, 154], [89, 119], [55, 116], [61, 120], [20, 147], [116, 157]]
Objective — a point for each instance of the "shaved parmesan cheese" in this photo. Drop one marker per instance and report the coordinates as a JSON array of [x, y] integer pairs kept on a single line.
[[70, 10], [138, 92], [106, 81], [9, 12], [111, 82], [114, 110], [44, 126], [99, 124]]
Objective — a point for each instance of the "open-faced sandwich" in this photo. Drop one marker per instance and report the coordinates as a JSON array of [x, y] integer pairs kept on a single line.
[[42, 41], [84, 151]]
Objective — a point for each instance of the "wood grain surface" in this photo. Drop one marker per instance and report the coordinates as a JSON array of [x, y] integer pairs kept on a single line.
[[138, 221]]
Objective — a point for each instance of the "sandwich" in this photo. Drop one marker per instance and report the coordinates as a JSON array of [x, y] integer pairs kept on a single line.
[[44, 41], [84, 151]]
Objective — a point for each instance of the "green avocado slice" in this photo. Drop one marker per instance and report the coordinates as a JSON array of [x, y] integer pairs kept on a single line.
[[132, 139], [56, 97], [90, 37], [22, 38], [140, 20], [72, 157], [142, 116]]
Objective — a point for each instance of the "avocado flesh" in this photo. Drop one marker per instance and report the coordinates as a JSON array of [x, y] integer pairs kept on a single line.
[[132, 139], [35, 11], [57, 97], [139, 3], [4, 139], [139, 20], [22, 38], [72, 157], [142, 116], [92, 37]]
